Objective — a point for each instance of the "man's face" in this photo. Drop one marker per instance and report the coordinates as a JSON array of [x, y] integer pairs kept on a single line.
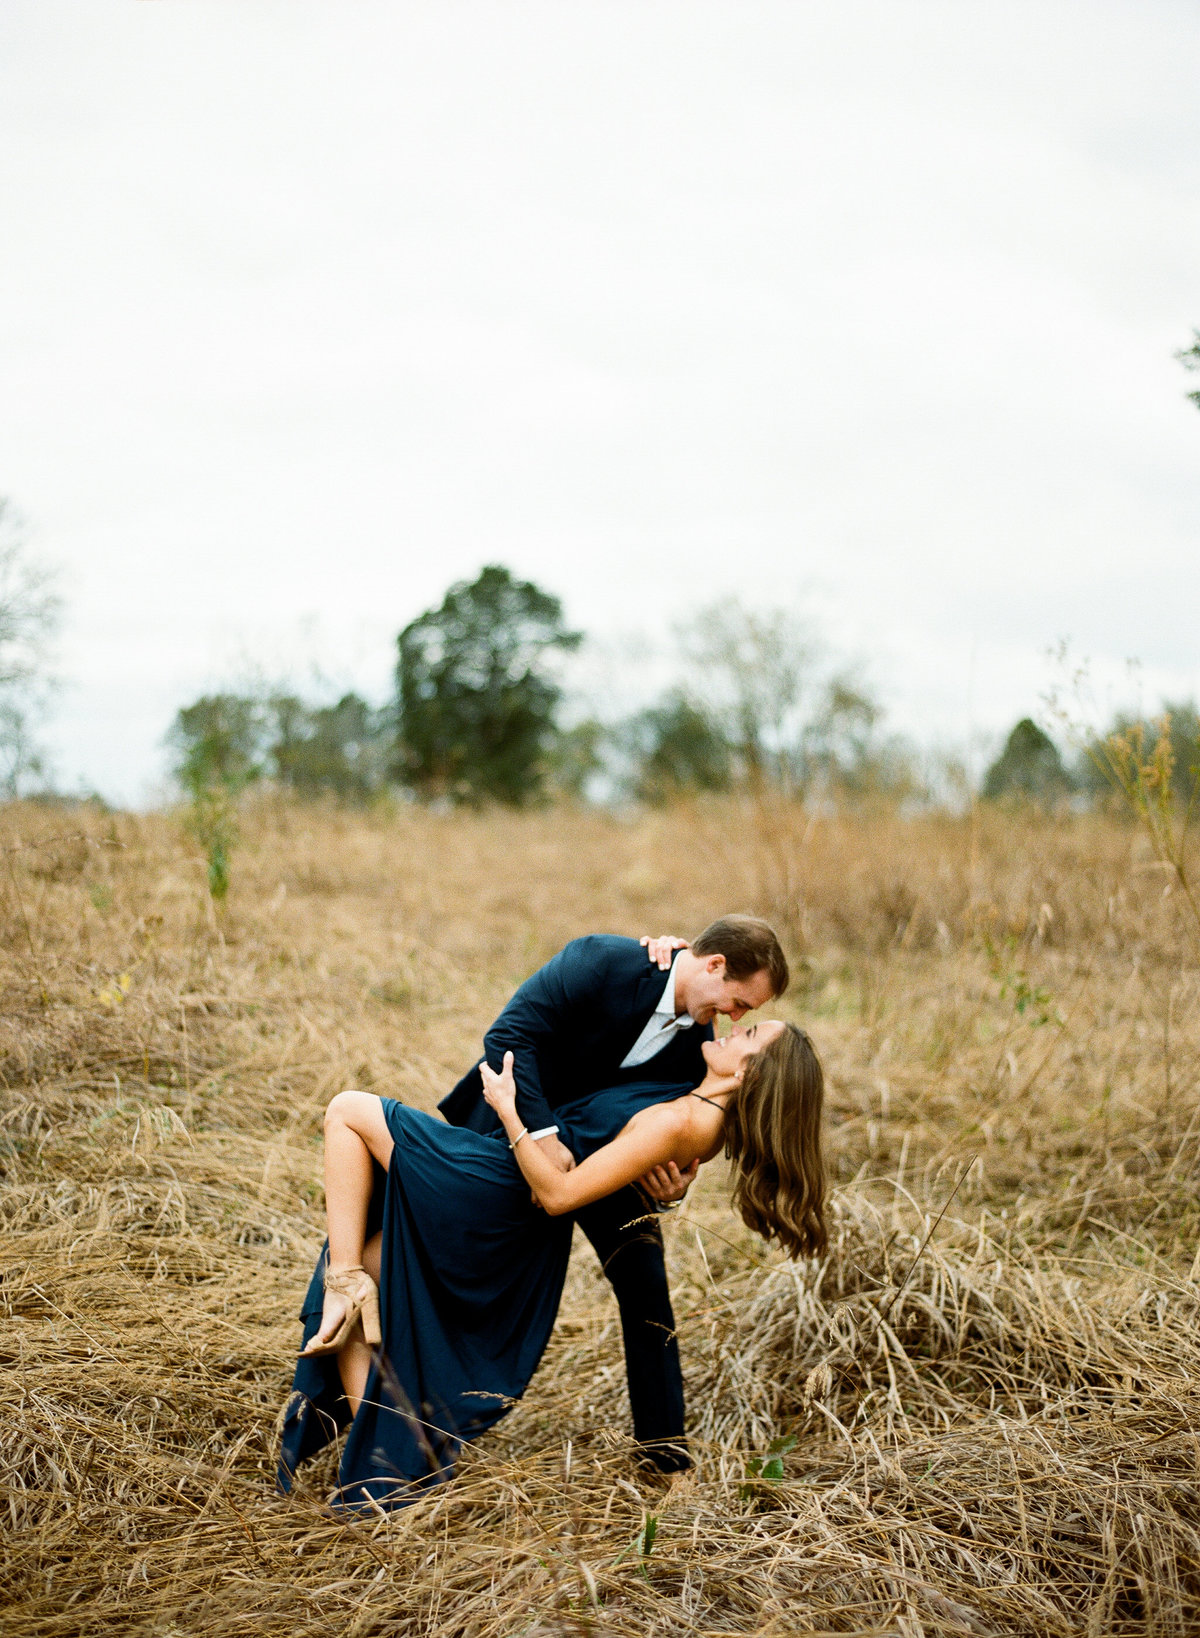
[[712, 992]]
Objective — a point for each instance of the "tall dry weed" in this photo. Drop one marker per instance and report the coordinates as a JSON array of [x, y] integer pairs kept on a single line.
[[983, 1421]]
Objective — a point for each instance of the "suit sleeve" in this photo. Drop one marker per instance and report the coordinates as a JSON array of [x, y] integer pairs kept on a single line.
[[547, 1003]]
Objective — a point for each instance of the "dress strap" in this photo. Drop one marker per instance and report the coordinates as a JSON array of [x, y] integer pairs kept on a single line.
[[703, 1099]]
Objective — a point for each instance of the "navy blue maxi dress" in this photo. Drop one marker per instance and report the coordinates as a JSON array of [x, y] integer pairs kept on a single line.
[[471, 1276]]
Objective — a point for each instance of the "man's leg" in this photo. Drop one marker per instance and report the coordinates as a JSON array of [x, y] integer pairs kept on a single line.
[[628, 1241]]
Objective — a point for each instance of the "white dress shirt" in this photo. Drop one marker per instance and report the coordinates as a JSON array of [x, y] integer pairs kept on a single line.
[[662, 1026]]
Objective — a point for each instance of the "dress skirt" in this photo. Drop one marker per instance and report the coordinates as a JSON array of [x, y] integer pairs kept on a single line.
[[471, 1276]]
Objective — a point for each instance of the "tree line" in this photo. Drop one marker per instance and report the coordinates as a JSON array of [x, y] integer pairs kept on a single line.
[[477, 717], [1032, 769]]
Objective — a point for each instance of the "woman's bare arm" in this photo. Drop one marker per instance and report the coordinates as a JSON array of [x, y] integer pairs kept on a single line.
[[655, 1136]]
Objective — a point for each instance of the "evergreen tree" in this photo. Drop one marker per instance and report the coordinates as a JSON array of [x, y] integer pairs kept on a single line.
[[1029, 767], [476, 695]]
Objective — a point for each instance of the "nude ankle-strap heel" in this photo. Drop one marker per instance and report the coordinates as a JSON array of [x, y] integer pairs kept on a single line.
[[369, 1312], [362, 1302]]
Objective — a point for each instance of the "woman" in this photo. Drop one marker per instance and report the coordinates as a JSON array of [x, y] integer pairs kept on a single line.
[[470, 1237]]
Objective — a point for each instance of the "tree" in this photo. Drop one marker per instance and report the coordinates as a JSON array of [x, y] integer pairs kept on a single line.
[[218, 740], [335, 749], [1029, 768], [677, 747], [219, 748], [1189, 357], [755, 667], [29, 611], [476, 694], [576, 758], [839, 741], [20, 754], [231, 740]]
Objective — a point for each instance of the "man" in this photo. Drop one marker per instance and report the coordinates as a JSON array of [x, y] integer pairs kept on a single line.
[[597, 1014]]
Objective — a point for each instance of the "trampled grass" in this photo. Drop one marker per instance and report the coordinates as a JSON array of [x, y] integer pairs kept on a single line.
[[983, 1422]]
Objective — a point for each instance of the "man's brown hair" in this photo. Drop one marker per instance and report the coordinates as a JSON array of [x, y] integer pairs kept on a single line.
[[749, 946]]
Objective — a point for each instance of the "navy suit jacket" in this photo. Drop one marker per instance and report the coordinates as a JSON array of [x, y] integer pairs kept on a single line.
[[568, 1028]]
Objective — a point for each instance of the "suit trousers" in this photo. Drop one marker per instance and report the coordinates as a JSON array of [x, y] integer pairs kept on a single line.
[[626, 1236]]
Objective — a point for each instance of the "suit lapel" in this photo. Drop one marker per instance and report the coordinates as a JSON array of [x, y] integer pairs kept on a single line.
[[644, 993]]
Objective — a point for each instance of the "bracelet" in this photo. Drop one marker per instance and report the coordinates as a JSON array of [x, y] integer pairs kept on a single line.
[[524, 1132]]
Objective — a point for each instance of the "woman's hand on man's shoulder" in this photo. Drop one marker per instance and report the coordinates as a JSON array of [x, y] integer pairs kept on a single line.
[[661, 950]]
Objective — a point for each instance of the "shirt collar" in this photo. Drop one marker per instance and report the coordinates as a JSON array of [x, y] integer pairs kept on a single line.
[[666, 1004]]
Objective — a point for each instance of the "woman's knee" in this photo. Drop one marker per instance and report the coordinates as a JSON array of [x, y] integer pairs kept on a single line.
[[362, 1114], [342, 1109]]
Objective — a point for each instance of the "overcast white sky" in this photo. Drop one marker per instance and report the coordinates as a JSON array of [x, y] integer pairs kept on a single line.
[[307, 310]]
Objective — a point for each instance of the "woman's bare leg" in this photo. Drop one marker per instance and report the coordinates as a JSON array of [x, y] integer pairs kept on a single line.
[[354, 1361], [356, 1133]]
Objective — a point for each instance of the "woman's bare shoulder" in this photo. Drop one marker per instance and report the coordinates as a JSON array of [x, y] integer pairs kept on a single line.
[[671, 1116], [672, 1113]]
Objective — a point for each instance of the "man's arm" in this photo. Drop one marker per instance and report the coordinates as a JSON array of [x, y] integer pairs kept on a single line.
[[549, 1003]]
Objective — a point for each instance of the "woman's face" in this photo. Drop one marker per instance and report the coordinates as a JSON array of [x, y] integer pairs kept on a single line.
[[726, 1056]]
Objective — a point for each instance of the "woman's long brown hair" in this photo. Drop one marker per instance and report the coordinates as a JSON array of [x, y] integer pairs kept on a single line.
[[773, 1136]]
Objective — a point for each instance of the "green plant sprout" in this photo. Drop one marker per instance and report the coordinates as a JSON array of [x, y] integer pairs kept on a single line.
[[642, 1544], [768, 1469], [1032, 1002]]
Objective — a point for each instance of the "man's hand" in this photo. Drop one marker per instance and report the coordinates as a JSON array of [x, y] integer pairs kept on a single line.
[[557, 1153], [661, 950], [667, 1184]]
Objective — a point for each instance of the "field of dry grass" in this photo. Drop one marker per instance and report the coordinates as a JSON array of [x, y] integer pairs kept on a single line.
[[996, 1431]]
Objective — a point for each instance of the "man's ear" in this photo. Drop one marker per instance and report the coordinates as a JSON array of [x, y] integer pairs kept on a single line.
[[715, 964]]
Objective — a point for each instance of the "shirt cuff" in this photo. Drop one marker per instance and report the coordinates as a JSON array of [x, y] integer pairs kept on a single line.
[[545, 1131]]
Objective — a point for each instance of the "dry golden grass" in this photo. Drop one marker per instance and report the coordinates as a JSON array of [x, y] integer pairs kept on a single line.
[[999, 1433]]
